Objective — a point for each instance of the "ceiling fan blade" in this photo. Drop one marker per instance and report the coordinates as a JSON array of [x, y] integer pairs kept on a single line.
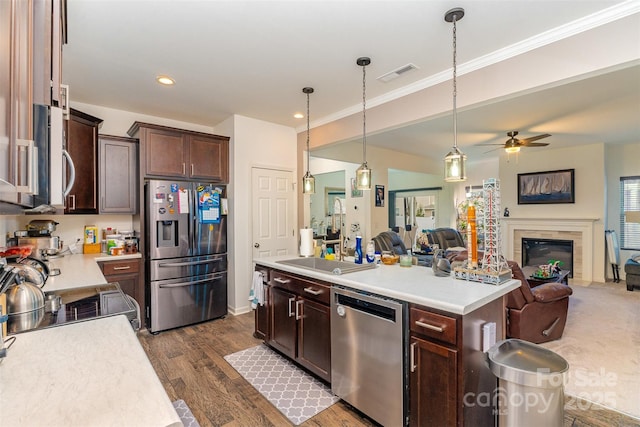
[[525, 141], [494, 149], [535, 144]]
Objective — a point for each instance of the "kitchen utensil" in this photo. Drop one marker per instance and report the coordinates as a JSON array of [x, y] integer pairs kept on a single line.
[[32, 269], [24, 297], [41, 227]]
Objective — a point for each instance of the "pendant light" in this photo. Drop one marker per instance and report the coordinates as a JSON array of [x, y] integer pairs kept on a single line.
[[363, 174], [308, 181], [454, 162]]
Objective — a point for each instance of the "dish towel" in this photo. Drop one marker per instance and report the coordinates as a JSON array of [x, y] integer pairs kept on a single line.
[[256, 295]]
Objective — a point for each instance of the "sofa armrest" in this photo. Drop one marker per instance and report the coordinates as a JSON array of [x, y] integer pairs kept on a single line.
[[549, 292]]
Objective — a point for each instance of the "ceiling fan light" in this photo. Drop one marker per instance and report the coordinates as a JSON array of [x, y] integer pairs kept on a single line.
[[308, 184], [455, 166], [363, 177], [512, 150]]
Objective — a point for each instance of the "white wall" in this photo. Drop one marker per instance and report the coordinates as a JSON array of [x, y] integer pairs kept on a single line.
[[254, 143], [620, 160], [117, 122], [590, 189]]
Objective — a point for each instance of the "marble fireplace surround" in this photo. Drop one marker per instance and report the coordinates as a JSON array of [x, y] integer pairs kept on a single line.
[[579, 230]]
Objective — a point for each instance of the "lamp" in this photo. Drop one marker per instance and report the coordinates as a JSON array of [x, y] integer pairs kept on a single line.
[[454, 162], [308, 181], [363, 173]]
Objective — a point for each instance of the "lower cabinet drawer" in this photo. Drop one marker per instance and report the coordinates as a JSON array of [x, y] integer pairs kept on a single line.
[[120, 267], [433, 325], [312, 290]]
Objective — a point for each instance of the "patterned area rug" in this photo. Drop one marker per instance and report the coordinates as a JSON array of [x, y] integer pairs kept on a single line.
[[298, 395], [187, 418]]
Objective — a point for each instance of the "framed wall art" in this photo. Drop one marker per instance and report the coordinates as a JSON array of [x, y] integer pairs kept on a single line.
[[379, 196], [546, 187]]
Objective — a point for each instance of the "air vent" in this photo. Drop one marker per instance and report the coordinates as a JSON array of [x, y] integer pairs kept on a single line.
[[391, 75]]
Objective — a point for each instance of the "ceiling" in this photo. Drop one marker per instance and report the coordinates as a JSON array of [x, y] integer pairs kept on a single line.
[[253, 58]]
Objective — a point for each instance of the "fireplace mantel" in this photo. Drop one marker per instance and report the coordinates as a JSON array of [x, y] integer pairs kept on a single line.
[[582, 230]]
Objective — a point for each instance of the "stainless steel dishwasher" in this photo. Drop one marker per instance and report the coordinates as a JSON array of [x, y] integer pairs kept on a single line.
[[368, 357]]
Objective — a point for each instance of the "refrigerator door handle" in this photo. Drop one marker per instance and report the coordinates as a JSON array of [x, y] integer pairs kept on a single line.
[[187, 263], [195, 282]]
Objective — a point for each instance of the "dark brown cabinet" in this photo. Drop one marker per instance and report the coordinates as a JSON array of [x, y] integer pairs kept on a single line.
[[300, 318], [118, 177], [82, 145], [174, 153], [127, 273], [448, 375]]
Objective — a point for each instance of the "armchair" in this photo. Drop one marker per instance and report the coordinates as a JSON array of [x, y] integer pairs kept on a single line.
[[536, 314]]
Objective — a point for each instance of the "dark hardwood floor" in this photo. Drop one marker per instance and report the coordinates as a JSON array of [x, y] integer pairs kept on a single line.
[[189, 362]]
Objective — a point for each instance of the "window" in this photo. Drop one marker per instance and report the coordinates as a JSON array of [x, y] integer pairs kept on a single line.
[[630, 212]]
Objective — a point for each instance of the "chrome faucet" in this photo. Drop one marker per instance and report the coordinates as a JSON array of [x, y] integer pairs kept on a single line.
[[342, 227]]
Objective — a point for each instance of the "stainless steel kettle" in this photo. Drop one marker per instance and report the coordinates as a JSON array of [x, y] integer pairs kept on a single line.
[[25, 306]]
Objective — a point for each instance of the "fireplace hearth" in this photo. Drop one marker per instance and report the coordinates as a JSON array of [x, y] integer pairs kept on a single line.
[[538, 251]]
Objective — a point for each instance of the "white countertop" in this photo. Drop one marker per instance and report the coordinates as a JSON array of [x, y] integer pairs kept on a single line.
[[414, 284], [83, 374], [79, 270]]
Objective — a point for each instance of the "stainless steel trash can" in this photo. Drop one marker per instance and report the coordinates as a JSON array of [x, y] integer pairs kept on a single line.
[[531, 384]]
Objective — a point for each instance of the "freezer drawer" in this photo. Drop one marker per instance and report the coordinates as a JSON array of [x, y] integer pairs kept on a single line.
[[173, 268], [184, 301]]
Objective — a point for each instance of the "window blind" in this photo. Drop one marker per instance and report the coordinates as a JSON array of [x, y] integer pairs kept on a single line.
[[630, 213]]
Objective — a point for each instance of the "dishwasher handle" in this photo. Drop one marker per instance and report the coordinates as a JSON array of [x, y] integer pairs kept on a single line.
[[368, 307]]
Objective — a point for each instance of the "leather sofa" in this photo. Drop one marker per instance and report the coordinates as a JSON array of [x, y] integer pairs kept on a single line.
[[536, 314], [447, 238], [391, 241]]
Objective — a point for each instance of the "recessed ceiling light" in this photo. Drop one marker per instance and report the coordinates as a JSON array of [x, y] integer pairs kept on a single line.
[[165, 80], [298, 115]]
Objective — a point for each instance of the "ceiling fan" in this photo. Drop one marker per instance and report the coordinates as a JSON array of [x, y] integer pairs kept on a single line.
[[513, 144]]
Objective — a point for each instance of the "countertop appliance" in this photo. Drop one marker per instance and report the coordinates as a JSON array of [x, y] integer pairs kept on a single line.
[[368, 354], [186, 253]]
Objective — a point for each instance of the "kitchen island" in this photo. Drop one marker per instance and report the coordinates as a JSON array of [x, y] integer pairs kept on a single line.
[[92, 373], [442, 328], [88, 373]]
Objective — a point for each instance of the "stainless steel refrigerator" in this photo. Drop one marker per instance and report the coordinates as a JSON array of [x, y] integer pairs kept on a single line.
[[186, 252]]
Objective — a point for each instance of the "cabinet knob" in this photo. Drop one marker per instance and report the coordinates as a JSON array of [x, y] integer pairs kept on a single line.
[[256, 245]]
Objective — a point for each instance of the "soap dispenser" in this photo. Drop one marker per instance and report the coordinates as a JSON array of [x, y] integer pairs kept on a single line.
[[358, 250]]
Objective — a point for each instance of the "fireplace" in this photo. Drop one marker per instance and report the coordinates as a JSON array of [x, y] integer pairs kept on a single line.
[[581, 230], [538, 251]]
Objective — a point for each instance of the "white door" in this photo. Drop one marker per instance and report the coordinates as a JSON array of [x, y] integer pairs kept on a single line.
[[273, 213]]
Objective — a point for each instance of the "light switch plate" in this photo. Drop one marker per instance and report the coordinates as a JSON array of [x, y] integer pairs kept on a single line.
[[488, 336]]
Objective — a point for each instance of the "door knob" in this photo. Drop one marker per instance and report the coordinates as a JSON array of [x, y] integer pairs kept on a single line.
[[256, 245]]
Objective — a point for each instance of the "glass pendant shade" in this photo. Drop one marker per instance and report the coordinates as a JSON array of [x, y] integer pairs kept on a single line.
[[455, 161], [308, 181], [363, 177], [455, 166], [308, 184]]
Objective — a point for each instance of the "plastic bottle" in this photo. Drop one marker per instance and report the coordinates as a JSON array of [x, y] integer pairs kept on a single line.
[[323, 251], [371, 252], [358, 250]]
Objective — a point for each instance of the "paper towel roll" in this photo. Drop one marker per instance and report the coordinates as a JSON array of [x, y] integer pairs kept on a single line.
[[306, 242]]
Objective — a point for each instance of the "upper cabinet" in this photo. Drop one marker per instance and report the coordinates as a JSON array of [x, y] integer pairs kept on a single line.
[[118, 181], [174, 153], [31, 38], [82, 146], [49, 34]]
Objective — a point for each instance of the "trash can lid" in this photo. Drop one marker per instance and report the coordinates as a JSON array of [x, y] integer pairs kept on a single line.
[[526, 363]]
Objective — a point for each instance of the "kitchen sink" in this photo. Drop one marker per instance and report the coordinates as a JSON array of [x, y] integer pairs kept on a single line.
[[326, 265]]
